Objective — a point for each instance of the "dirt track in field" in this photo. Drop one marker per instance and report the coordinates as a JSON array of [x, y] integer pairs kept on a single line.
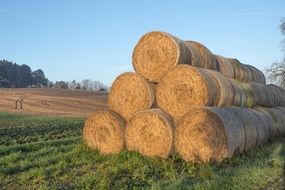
[[43, 101]]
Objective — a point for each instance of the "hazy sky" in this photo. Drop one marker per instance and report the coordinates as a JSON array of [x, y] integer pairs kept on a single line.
[[94, 39]]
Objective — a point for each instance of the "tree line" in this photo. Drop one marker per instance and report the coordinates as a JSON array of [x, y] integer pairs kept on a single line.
[[13, 75], [86, 85]]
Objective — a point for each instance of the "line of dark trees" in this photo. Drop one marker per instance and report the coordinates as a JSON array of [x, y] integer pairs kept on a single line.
[[13, 75]]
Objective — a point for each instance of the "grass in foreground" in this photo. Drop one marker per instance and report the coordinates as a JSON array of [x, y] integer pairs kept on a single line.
[[48, 153]]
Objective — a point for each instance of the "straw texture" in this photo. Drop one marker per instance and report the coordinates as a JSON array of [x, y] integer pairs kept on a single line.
[[207, 134], [211, 133], [104, 131], [185, 87], [150, 132], [129, 94], [156, 53]]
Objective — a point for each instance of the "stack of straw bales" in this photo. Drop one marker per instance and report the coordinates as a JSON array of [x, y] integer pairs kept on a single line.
[[185, 99]]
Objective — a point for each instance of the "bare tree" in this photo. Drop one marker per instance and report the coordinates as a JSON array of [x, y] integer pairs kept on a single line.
[[86, 85], [93, 86], [282, 28], [72, 84], [276, 71]]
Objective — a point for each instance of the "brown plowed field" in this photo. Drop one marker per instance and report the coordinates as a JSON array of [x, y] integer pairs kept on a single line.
[[44, 101]]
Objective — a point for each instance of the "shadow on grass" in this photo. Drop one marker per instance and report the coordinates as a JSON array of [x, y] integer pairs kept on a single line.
[[282, 153]]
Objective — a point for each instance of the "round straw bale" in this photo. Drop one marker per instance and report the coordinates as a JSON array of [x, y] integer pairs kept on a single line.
[[259, 96], [248, 118], [243, 95], [271, 99], [261, 79], [262, 125], [279, 92], [269, 122], [246, 95], [276, 115], [245, 73], [236, 67], [278, 118], [196, 57], [216, 65], [275, 94], [185, 87], [282, 114], [250, 73], [130, 93], [209, 134], [104, 131], [265, 91], [249, 96], [258, 76], [238, 94], [225, 66], [201, 56], [264, 96], [281, 96], [157, 52], [150, 132], [226, 91]]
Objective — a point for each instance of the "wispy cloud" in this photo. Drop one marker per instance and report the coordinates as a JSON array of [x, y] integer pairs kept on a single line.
[[15, 14], [250, 14], [119, 68]]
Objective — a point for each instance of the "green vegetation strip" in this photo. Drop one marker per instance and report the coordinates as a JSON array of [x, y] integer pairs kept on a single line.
[[56, 158]]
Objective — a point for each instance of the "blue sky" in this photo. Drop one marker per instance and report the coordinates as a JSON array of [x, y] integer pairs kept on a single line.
[[94, 39]]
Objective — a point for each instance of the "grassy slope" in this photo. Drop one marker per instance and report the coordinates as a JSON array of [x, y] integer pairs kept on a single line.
[[47, 152]]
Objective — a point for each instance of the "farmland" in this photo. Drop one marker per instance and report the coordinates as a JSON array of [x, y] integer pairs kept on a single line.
[[47, 152], [45, 101]]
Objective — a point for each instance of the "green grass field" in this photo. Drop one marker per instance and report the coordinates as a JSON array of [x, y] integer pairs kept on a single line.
[[48, 153]]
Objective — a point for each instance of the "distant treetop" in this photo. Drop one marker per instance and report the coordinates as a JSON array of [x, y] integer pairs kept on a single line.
[[13, 75]]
